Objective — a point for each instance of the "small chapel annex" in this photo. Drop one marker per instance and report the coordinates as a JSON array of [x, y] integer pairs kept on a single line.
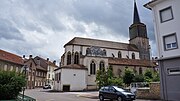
[[84, 56]]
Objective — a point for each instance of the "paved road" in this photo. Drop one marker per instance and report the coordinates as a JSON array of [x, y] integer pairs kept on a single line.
[[43, 95]]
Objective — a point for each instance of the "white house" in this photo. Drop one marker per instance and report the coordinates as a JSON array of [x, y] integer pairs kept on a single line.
[[167, 32], [51, 66], [90, 55]]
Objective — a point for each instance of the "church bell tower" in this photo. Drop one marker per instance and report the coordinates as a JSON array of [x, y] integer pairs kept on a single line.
[[138, 35]]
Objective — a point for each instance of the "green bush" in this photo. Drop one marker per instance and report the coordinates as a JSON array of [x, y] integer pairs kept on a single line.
[[138, 78], [106, 77], [11, 84], [128, 76]]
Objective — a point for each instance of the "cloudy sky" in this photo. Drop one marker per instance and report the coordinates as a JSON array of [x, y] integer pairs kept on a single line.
[[42, 27]]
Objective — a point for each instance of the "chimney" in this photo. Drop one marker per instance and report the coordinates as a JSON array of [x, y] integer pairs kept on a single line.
[[54, 62], [24, 56], [30, 56]]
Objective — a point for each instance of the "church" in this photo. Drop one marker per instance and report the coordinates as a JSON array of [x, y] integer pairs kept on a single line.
[[84, 56]]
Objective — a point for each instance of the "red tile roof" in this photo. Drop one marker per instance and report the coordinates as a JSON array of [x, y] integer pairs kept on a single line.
[[10, 57], [74, 66], [131, 62]]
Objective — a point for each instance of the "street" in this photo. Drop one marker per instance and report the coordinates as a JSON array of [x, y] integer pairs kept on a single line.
[[44, 95]]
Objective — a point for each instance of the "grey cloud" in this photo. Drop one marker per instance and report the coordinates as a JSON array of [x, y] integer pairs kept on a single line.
[[8, 31]]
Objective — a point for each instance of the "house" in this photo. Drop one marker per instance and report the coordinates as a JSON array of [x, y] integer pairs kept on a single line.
[[10, 62], [166, 23], [40, 72], [50, 72], [84, 56]]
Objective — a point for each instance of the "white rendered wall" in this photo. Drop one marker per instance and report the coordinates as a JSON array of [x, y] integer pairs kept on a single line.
[[76, 78], [166, 28], [57, 85]]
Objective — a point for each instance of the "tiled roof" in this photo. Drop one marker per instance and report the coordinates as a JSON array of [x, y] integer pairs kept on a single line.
[[10, 57], [43, 63], [74, 66], [131, 62], [101, 43]]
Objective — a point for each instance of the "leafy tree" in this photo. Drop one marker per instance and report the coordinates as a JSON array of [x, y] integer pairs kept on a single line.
[[11, 84], [106, 77], [138, 78], [156, 77], [128, 76], [148, 73]]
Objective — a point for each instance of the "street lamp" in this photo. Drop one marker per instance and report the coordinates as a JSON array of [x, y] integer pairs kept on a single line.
[[25, 69]]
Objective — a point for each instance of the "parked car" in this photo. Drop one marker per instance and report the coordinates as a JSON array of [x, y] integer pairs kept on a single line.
[[115, 93], [47, 87]]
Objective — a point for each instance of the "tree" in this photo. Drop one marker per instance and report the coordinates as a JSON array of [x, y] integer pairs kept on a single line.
[[11, 84], [106, 77], [138, 78], [148, 75], [156, 77], [128, 76]]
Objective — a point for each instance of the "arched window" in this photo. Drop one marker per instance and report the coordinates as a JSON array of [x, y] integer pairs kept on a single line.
[[133, 56], [68, 58], [104, 52], [76, 58], [88, 51], [119, 54], [101, 65], [92, 68], [140, 70]]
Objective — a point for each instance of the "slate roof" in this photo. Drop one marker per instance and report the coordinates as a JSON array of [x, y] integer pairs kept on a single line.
[[10, 57], [131, 62], [101, 43]]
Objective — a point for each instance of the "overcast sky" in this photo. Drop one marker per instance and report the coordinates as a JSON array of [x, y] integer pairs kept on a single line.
[[42, 27]]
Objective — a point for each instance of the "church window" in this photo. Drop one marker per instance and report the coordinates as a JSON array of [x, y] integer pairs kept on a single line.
[[119, 54], [104, 52], [166, 14], [92, 68], [101, 65], [68, 58], [140, 70], [76, 58], [88, 51], [133, 56]]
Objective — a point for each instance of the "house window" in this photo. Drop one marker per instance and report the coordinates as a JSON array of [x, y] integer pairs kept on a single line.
[[119, 54], [76, 58], [101, 65], [140, 70], [5, 67], [92, 68], [133, 56], [69, 58], [166, 14], [170, 42]]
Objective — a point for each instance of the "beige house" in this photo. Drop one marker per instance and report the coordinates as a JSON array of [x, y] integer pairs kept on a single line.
[[10, 62]]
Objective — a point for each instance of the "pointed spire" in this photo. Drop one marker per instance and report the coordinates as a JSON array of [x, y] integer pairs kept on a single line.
[[136, 15]]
